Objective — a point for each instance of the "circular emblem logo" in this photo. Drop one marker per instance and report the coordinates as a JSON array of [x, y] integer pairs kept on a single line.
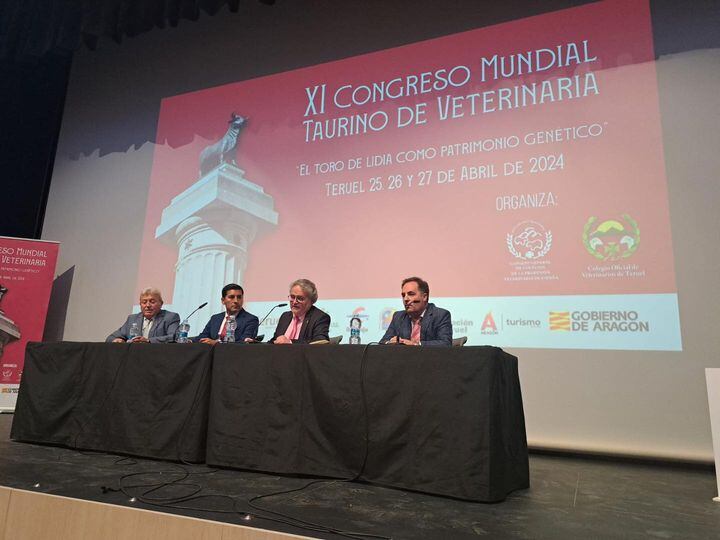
[[612, 239], [529, 240]]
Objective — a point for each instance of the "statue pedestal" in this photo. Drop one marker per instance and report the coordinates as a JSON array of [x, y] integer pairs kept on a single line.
[[213, 223]]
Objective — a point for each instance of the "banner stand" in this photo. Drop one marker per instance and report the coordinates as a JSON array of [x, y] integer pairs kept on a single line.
[[27, 269], [712, 377]]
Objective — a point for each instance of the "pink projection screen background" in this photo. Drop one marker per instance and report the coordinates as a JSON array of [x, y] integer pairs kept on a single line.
[[518, 168]]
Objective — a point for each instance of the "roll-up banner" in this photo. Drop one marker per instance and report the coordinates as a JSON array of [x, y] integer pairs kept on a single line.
[[27, 269]]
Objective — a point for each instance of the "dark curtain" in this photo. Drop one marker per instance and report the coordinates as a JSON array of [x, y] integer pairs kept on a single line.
[[37, 40], [30, 29]]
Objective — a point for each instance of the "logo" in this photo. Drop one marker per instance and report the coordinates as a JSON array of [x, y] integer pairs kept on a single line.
[[526, 323], [488, 327], [612, 239], [386, 318], [610, 321], [6, 373], [560, 320], [529, 240]]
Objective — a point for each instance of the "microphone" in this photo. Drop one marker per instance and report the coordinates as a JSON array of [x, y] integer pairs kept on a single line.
[[181, 336], [259, 338], [196, 309], [271, 310]]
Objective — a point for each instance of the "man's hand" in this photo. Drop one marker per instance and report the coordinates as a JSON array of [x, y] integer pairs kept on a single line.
[[208, 341], [282, 340], [118, 340], [139, 339], [402, 341]]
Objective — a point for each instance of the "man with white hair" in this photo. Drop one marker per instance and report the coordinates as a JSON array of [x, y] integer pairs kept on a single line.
[[304, 323], [152, 325]]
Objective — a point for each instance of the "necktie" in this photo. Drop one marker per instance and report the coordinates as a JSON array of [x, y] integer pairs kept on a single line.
[[415, 333], [147, 323], [223, 330], [293, 331]]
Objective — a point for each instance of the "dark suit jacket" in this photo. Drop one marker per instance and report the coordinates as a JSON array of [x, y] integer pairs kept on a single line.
[[315, 326], [435, 329], [163, 329], [247, 326]]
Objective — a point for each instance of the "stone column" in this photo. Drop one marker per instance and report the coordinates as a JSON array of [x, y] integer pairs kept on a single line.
[[213, 223]]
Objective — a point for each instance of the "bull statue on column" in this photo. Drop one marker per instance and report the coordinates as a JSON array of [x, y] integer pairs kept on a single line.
[[224, 150]]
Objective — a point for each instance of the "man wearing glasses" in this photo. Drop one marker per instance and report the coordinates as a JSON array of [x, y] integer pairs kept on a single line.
[[304, 323]]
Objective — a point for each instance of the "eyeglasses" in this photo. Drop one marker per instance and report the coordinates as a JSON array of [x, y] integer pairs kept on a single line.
[[294, 298]]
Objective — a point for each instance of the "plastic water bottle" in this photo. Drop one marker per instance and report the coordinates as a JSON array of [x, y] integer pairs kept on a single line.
[[183, 332], [230, 327], [134, 331], [355, 324], [354, 336]]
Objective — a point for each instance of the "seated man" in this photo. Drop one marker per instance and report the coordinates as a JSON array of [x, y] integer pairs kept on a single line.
[[304, 323], [153, 324], [420, 323], [246, 328]]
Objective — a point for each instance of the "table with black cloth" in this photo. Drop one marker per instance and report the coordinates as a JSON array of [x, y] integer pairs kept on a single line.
[[142, 399], [447, 421]]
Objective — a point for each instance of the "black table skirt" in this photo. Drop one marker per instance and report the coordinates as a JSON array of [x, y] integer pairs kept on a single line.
[[447, 421], [142, 399], [441, 421]]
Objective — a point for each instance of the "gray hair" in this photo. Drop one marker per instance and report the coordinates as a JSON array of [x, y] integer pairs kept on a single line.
[[308, 288], [152, 291]]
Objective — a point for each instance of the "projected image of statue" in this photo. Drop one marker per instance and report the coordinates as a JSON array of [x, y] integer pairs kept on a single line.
[[8, 330], [223, 150], [214, 222]]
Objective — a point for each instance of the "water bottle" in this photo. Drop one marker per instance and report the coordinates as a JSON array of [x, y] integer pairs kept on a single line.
[[230, 327], [355, 324], [183, 331], [134, 331]]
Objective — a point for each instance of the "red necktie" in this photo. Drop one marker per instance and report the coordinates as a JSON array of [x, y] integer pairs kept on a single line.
[[223, 332], [415, 334]]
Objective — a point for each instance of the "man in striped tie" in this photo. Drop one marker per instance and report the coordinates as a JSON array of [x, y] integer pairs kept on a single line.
[[420, 323]]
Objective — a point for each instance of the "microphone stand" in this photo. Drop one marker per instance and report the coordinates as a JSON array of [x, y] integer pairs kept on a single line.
[[259, 338]]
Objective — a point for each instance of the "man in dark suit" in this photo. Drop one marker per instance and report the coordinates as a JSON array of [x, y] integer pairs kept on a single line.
[[247, 323], [304, 323], [152, 325], [420, 323]]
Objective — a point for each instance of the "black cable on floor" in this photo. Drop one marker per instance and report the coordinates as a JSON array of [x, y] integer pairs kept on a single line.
[[355, 477], [194, 490], [176, 502]]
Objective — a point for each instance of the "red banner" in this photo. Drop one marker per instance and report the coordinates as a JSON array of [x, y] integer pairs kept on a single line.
[[27, 269]]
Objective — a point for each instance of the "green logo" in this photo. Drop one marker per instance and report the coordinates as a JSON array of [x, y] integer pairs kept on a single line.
[[613, 239]]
